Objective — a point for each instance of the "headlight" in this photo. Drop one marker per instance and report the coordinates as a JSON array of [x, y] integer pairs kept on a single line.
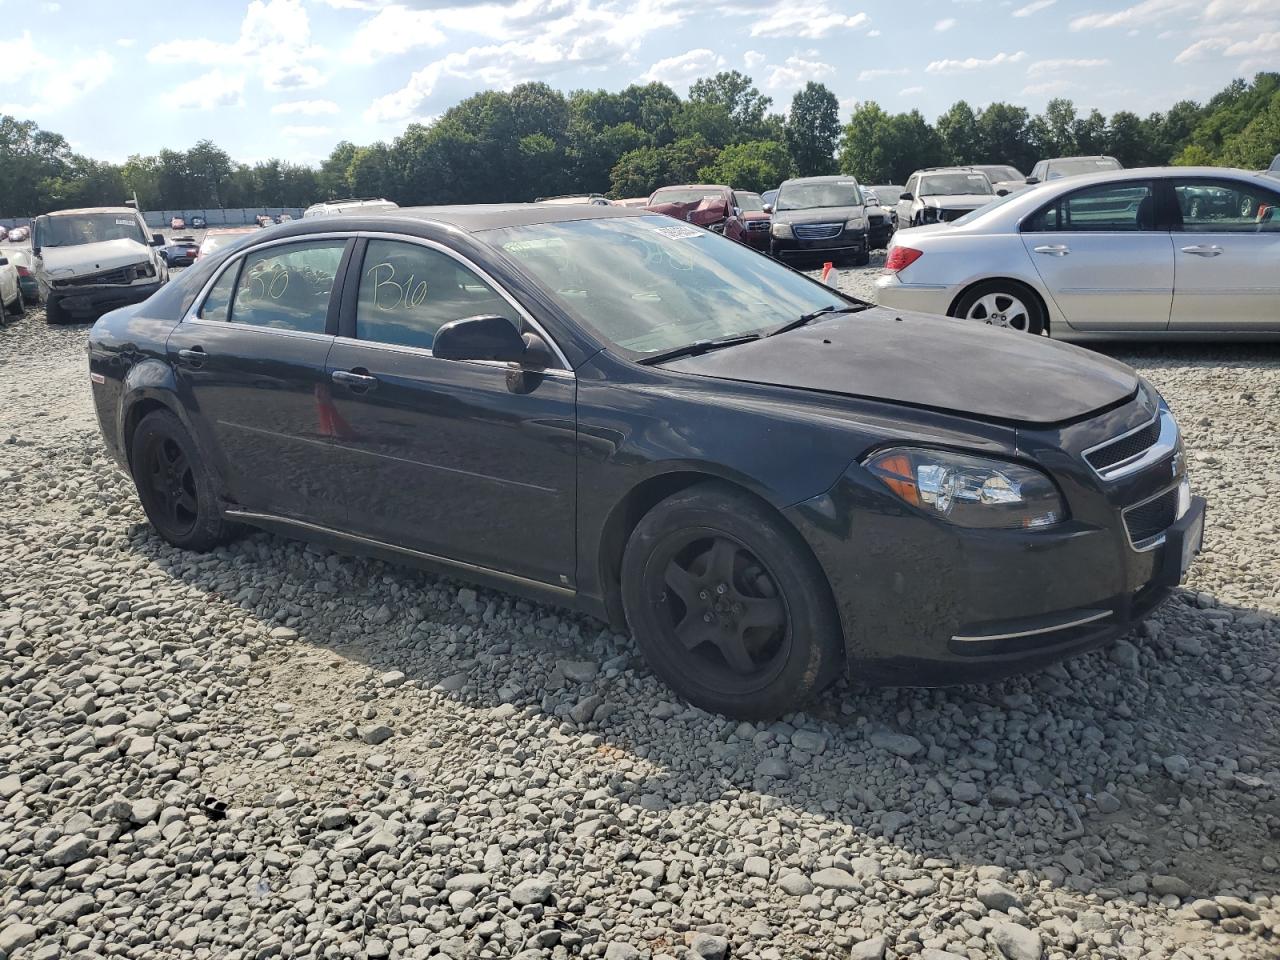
[[781, 230], [969, 491], [854, 223], [930, 214]]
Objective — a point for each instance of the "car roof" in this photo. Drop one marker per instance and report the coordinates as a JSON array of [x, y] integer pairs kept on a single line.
[[1146, 173], [470, 218], [80, 211], [825, 178], [691, 186]]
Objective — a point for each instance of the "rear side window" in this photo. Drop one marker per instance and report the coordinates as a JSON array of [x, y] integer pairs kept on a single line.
[[1226, 206], [1106, 208], [408, 292], [217, 305], [288, 287]]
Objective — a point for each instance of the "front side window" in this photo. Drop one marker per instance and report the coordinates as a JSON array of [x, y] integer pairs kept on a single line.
[[217, 305], [288, 287], [1106, 208], [650, 284], [1226, 206], [409, 291]]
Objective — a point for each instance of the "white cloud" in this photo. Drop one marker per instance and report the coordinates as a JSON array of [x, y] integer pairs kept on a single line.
[[53, 81], [753, 59], [1048, 88], [878, 72], [1263, 43], [806, 19], [395, 30], [873, 33], [1035, 6], [217, 88], [974, 63], [302, 132], [683, 68], [945, 24], [1051, 66], [126, 42], [797, 71], [306, 108], [1145, 12], [910, 91], [274, 45]]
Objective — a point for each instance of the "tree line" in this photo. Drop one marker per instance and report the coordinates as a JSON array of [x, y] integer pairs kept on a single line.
[[534, 141]]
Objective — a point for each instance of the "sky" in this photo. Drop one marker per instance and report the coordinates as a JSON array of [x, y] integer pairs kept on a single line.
[[290, 78]]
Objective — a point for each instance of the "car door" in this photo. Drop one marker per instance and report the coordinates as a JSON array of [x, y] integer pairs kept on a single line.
[[1226, 242], [1103, 256], [471, 461], [250, 368], [904, 207]]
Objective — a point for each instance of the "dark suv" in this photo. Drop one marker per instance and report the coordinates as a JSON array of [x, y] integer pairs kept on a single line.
[[817, 217]]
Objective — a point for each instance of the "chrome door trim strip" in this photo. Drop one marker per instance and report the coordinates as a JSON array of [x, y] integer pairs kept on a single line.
[[554, 372], [1078, 622], [251, 516]]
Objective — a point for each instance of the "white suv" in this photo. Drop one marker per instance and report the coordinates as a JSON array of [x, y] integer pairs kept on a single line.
[[355, 205], [95, 259]]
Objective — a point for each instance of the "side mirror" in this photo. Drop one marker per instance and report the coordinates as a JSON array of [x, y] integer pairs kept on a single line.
[[481, 338], [768, 208], [1033, 180], [157, 239], [1002, 192], [905, 196], [4, 261]]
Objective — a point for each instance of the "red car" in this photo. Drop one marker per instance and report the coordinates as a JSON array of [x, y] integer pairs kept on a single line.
[[718, 208]]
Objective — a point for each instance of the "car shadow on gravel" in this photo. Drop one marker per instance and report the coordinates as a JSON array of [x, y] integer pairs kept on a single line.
[[1101, 775]]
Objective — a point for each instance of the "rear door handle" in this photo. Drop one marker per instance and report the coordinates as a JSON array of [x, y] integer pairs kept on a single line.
[[1204, 250], [1053, 249], [354, 380], [194, 357]]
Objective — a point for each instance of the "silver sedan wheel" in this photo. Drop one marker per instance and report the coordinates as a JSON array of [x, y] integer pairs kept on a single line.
[[1000, 310]]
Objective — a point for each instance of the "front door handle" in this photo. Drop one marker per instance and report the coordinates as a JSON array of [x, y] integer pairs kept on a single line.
[[1204, 250], [1053, 249], [355, 380], [194, 357]]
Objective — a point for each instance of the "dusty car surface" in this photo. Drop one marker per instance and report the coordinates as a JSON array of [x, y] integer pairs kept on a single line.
[[704, 205], [1160, 253], [95, 259], [768, 482], [1059, 167], [942, 194]]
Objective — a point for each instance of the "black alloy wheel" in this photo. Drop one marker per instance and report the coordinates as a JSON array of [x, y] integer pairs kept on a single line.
[[728, 604], [177, 492]]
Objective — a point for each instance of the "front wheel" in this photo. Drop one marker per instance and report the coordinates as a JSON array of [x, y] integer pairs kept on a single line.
[[728, 604], [53, 312], [177, 491], [1002, 303]]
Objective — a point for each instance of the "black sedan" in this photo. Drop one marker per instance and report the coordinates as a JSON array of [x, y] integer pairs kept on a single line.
[[768, 482]]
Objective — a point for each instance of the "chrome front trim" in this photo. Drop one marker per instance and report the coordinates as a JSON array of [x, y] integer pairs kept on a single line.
[[1149, 544], [250, 516], [1091, 617], [1166, 443]]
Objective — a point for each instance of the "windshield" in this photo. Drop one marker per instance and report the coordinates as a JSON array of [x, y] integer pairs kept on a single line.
[[1000, 174], [1077, 166], [684, 195], [72, 231], [954, 184], [886, 193], [826, 193], [750, 202], [649, 285]]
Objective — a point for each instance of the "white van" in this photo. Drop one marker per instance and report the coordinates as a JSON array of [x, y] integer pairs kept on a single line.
[[95, 259], [353, 205]]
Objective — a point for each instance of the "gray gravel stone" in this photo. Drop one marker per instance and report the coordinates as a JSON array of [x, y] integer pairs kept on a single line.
[[1017, 943]]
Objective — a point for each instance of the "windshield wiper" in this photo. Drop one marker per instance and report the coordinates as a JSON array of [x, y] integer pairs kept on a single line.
[[804, 318], [697, 347]]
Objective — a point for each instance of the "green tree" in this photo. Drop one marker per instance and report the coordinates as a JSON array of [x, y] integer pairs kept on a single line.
[[1001, 136], [812, 127], [1254, 147], [736, 92], [757, 165], [706, 119], [1126, 141], [958, 130], [1090, 133]]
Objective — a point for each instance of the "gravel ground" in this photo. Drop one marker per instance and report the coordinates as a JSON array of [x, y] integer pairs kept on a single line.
[[276, 751]]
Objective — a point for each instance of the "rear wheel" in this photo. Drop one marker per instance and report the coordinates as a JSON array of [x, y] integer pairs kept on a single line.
[[177, 491], [1002, 303], [728, 605], [19, 306]]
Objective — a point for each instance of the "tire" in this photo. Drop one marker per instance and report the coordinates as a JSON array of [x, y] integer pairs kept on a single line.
[[53, 312], [733, 557], [4, 314], [19, 308], [1002, 303], [862, 259], [177, 490]]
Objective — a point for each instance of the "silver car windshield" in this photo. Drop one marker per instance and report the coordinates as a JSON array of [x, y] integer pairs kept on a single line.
[[651, 284], [954, 184], [72, 231]]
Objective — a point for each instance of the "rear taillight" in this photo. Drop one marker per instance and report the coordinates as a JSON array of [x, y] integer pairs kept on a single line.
[[900, 258], [23, 272]]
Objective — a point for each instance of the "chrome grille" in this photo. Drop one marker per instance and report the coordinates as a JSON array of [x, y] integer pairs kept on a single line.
[[1124, 448], [817, 231], [120, 275], [1148, 520]]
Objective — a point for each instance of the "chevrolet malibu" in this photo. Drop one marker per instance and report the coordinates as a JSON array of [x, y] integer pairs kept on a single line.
[[767, 482]]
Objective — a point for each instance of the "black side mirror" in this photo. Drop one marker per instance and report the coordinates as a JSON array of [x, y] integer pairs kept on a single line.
[[1033, 180], [4, 261], [1002, 192], [481, 338], [157, 239], [905, 196]]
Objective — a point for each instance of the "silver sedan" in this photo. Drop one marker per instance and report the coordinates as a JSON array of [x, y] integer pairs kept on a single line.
[[1163, 252]]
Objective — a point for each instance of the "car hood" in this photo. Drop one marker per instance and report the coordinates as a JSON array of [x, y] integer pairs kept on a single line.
[[940, 363], [817, 214], [92, 257], [962, 201]]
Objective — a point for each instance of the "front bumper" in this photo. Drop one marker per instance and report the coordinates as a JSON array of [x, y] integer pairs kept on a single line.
[[848, 242], [925, 602], [92, 302]]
